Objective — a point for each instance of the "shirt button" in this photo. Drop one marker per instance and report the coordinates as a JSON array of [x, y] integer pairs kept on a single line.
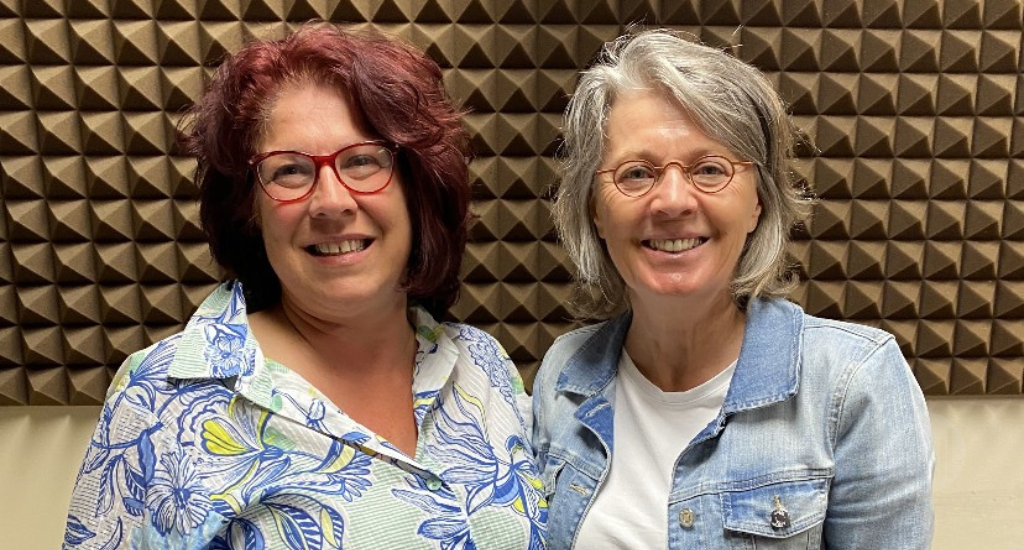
[[686, 518], [433, 483]]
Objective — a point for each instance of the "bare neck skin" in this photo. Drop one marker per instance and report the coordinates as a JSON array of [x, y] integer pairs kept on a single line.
[[679, 345], [363, 365]]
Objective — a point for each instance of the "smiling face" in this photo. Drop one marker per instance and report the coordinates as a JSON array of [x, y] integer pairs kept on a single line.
[[336, 253], [675, 241]]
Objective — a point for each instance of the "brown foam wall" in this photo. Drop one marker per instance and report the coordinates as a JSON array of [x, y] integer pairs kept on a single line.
[[915, 111]]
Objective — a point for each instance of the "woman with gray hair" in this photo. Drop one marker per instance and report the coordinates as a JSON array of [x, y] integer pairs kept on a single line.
[[706, 411]]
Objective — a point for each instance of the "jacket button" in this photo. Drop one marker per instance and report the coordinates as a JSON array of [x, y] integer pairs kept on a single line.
[[686, 518], [780, 520], [780, 516]]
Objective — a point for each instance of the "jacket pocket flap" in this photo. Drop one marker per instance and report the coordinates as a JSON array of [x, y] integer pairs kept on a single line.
[[778, 510]]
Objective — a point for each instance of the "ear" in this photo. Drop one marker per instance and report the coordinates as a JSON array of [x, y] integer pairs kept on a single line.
[[755, 216]]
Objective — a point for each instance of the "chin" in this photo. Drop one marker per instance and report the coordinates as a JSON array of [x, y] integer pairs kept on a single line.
[[682, 289]]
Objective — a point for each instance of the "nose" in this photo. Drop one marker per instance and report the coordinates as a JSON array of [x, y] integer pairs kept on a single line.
[[674, 195], [330, 198]]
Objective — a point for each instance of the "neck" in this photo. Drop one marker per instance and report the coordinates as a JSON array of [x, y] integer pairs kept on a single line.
[[680, 346], [363, 365], [373, 339], [376, 342]]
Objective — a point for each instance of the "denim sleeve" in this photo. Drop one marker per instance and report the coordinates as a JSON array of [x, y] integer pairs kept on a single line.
[[881, 494], [542, 386], [544, 394]]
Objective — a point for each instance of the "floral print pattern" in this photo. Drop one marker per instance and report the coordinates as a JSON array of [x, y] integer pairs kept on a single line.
[[176, 494], [204, 443]]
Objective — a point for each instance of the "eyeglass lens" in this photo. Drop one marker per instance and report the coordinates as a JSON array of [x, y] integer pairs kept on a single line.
[[709, 174], [365, 168]]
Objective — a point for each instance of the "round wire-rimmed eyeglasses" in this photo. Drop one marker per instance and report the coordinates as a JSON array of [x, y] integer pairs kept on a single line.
[[363, 168], [708, 174]]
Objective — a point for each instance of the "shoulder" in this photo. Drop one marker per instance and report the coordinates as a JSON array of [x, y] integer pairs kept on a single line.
[[778, 319], [845, 342], [845, 330], [564, 348], [148, 384], [150, 365], [139, 393], [575, 339], [462, 337], [824, 353], [465, 335], [488, 362], [569, 343], [473, 345], [852, 358]]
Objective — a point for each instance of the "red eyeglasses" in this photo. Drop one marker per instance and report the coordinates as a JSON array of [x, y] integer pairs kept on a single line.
[[290, 176]]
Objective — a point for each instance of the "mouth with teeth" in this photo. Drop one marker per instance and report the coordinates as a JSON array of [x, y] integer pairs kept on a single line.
[[673, 245], [338, 248]]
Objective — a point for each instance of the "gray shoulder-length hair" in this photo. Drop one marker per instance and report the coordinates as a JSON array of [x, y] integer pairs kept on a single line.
[[732, 102]]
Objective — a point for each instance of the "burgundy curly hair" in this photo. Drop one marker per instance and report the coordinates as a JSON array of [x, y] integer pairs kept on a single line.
[[399, 93]]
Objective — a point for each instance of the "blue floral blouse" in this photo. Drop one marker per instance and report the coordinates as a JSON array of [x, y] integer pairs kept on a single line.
[[205, 443]]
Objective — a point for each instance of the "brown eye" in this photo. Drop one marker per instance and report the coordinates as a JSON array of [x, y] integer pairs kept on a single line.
[[363, 162], [290, 171]]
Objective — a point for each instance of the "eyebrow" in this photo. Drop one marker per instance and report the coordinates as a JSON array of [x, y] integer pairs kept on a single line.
[[647, 154]]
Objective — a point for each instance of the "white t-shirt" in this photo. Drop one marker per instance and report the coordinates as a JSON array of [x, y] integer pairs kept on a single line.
[[652, 427]]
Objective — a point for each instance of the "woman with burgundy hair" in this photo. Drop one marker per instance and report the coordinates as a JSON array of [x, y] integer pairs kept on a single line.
[[314, 400]]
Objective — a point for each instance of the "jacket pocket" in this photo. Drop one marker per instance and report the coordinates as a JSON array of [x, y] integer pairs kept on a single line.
[[785, 515]]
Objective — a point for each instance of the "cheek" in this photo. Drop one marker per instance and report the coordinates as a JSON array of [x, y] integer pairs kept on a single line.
[[275, 222]]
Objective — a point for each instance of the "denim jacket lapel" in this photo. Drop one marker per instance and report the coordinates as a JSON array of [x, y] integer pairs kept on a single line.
[[767, 372], [590, 373], [768, 369]]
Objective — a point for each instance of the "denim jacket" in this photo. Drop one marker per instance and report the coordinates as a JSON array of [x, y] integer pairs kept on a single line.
[[823, 440]]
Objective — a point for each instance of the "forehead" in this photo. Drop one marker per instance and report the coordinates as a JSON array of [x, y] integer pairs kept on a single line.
[[304, 114], [650, 121]]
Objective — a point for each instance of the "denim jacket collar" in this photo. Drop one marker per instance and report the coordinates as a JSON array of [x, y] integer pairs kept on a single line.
[[768, 370], [594, 365]]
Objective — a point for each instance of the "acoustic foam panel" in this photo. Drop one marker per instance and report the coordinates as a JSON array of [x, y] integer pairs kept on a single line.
[[913, 114]]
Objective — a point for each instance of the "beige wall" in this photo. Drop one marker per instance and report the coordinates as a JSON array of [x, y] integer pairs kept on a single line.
[[979, 489], [979, 473]]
